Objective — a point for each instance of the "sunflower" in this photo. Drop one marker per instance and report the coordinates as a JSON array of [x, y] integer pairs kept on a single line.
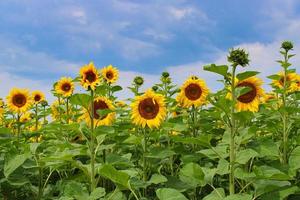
[[65, 87], [121, 104], [296, 85], [249, 101], [19, 100], [291, 81], [193, 93], [26, 117], [148, 110], [37, 96], [100, 103], [1, 107], [110, 74], [89, 76]]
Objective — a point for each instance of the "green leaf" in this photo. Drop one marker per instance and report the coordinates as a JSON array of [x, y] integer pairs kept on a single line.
[[81, 100], [116, 88], [223, 167], [294, 161], [247, 74], [157, 179], [192, 174], [119, 178], [169, 194], [12, 163], [280, 193], [220, 69], [270, 173], [217, 194], [160, 152], [245, 155], [239, 197], [274, 77], [103, 112], [97, 193]]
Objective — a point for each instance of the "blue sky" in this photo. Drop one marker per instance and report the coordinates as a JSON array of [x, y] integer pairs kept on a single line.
[[43, 40]]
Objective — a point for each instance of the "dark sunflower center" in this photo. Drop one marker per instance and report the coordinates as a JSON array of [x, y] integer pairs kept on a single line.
[[19, 100], [148, 108], [37, 98], [66, 87], [249, 96], [109, 75], [193, 91], [99, 105], [90, 76], [281, 81]]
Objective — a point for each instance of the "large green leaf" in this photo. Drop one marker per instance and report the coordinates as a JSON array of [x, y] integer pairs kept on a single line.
[[245, 75], [192, 174], [245, 155], [218, 69], [119, 178], [13, 162], [294, 161], [81, 100], [217, 194], [169, 194]]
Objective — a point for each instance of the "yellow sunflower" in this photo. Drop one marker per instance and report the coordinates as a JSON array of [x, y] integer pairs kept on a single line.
[[19, 100], [1, 106], [296, 86], [121, 104], [89, 76], [65, 86], [100, 103], [291, 79], [110, 74], [251, 100], [38, 96], [55, 112], [148, 110], [192, 93], [26, 117]]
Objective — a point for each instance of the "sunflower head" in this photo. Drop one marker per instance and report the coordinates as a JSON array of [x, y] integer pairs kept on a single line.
[[148, 110], [192, 93], [19, 100], [26, 117], [100, 103], [65, 87], [89, 77], [238, 57], [291, 81], [38, 96], [250, 100], [110, 74]]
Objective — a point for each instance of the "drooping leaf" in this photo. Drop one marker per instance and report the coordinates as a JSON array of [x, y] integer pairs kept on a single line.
[[218, 69]]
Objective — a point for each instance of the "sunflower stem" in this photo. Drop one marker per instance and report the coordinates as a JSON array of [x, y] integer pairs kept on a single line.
[[36, 121], [232, 133], [18, 127], [144, 160], [284, 115], [67, 102], [92, 152]]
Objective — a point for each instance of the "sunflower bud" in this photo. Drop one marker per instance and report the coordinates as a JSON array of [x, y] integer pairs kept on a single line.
[[138, 80], [238, 57], [44, 103], [287, 45], [154, 88], [165, 74]]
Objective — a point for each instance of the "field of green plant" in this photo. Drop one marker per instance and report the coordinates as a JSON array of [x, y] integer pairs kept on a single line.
[[168, 142]]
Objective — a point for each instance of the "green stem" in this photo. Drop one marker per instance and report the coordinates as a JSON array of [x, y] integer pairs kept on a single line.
[[144, 160], [232, 134], [67, 102], [44, 107], [18, 127], [92, 151], [284, 117], [36, 121]]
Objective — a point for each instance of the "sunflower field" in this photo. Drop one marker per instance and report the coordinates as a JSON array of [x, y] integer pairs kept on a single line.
[[168, 142]]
